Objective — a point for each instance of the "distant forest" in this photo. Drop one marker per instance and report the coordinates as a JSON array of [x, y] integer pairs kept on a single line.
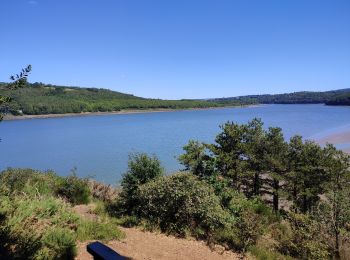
[[39, 98], [339, 100], [335, 97]]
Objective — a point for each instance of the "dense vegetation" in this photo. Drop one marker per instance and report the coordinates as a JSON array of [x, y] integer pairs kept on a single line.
[[20, 97], [250, 191], [38, 98], [334, 97], [36, 216], [340, 100]]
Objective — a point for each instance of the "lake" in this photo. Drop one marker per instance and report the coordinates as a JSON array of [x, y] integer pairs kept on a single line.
[[98, 146]]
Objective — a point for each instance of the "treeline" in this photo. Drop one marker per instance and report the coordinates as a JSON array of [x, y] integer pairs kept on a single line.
[[304, 97], [38, 98], [340, 100], [250, 191]]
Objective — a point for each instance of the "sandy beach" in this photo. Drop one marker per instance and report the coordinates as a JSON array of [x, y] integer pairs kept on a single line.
[[336, 138], [341, 138]]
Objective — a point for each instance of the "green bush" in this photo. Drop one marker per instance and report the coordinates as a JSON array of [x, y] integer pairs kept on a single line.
[[301, 237], [181, 204], [59, 244], [74, 189], [141, 169], [251, 219]]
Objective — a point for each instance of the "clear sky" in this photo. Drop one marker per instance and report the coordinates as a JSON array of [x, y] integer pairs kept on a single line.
[[179, 48]]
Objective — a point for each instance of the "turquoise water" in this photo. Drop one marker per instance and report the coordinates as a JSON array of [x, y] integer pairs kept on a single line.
[[98, 146]]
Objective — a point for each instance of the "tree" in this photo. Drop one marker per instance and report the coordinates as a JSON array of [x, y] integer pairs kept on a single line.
[[254, 154], [196, 159], [307, 175], [336, 209], [3, 106], [276, 161], [229, 152]]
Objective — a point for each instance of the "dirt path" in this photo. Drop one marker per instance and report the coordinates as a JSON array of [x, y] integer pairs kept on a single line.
[[146, 245]]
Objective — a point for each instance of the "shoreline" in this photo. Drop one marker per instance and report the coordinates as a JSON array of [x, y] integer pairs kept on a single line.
[[120, 112], [338, 138]]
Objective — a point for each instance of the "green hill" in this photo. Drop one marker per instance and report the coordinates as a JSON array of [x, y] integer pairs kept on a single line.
[[303, 97], [340, 100], [39, 98]]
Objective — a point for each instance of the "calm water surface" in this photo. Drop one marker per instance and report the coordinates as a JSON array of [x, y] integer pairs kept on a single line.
[[98, 146]]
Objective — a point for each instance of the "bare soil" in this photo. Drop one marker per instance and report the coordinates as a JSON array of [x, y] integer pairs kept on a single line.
[[147, 245]]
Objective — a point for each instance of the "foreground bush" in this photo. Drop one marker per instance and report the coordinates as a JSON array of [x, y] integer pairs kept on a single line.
[[74, 189], [301, 237], [181, 203]]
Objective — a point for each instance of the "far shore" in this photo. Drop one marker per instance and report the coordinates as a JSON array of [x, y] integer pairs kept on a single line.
[[120, 112]]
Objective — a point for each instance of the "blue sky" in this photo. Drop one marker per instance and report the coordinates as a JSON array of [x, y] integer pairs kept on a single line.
[[179, 48]]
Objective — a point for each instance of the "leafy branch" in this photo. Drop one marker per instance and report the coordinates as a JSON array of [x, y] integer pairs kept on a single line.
[[20, 80]]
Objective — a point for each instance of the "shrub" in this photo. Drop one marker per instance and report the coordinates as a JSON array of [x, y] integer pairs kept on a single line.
[[262, 253], [59, 244], [74, 189], [301, 237], [18, 181], [247, 229], [36, 228], [102, 191], [251, 220], [180, 204], [141, 169]]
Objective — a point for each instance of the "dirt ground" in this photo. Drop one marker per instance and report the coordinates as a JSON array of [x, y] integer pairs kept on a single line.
[[147, 245], [142, 245]]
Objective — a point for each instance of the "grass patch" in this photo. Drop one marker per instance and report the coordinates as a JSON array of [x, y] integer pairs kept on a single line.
[[36, 222], [106, 229]]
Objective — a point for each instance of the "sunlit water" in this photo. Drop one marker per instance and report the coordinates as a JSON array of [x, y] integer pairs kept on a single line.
[[98, 146]]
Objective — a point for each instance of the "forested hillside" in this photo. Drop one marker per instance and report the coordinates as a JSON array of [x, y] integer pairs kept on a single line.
[[334, 97], [340, 100], [39, 98]]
